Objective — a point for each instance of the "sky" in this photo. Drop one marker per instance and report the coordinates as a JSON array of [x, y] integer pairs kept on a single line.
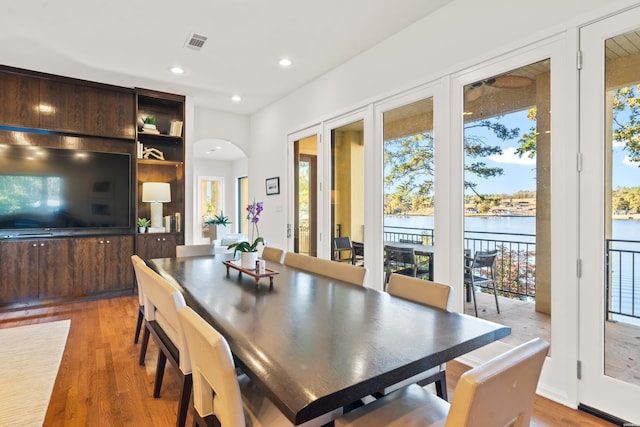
[[519, 172]]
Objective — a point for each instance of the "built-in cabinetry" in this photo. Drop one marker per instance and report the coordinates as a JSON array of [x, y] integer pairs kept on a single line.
[[168, 110], [38, 268], [38, 109], [102, 263]]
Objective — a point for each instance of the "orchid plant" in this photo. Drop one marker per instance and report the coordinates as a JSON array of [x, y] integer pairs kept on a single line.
[[253, 215]]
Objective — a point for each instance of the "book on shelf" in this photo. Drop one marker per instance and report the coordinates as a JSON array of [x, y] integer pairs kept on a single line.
[[171, 223], [139, 149], [175, 129]]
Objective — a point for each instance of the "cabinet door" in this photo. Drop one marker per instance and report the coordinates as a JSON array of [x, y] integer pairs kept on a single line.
[[156, 245], [55, 268], [19, 100], [18, 270], [88, 110], [88, 256], [118, 272]]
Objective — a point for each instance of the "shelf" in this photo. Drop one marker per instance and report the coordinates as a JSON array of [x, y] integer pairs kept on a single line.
[[161, 137], [159, 162]]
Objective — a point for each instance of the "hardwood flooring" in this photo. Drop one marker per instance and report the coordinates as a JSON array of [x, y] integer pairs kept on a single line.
[[100, 382]]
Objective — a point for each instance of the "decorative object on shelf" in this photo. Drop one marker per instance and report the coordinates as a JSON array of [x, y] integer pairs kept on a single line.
[[156, 193], [213, 224], [248, 261], [149, 125], [143, 223], [273, 185], [153, 152]]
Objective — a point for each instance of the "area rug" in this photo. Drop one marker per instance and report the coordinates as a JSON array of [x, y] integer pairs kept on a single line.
[[29, 360]]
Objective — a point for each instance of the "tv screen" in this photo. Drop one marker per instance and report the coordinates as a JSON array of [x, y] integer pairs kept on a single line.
[[56, 189]]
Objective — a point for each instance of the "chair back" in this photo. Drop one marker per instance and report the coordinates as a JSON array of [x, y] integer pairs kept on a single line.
[[272, 254], [194, 250], [162, 302], [342, 244], [501, 391], [136, 260], [421, 291], [484, 259], [324, 267], [215, 386], [358, 251], [399, 260]]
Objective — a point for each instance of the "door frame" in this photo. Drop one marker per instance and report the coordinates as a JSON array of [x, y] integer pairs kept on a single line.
[[596, 390]]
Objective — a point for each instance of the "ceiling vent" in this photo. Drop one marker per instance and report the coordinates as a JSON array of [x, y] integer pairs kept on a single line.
[[196, 41]]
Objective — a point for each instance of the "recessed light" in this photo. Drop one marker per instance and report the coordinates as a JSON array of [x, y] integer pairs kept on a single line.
[[236, 98], [285, 62], [176, 70]]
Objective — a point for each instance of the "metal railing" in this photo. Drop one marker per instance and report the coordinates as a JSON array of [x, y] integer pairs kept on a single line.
[[622, 260], [423, 236]]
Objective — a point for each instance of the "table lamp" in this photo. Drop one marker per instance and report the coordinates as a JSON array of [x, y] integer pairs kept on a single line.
[[156, 193]]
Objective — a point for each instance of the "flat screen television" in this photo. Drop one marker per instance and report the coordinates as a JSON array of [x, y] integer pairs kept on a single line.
[[55, 190]]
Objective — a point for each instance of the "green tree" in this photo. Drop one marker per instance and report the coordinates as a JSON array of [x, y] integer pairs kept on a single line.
[[626, 118]]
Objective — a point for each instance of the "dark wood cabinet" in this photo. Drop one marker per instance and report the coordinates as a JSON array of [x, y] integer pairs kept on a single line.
[[39, 268], [103, 264], [156, 245], [19, 100], [76, 108]]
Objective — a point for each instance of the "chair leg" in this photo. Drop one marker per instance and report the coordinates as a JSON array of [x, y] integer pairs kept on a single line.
[[162, 361], [185, 397], [440, 381], [144, 345], [473, 294], [495, 294], [138, 325]]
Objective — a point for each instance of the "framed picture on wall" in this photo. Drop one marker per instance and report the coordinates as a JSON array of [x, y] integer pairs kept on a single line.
[[273, 185]]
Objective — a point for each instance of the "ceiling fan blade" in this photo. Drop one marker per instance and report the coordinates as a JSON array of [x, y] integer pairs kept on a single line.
[[509, 82]]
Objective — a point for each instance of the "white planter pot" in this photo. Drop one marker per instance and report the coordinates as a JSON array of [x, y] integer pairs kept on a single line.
[[248, 260], [142, 229]]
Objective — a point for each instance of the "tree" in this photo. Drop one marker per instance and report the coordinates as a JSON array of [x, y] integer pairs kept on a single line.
[[627, 130], [408, 165]]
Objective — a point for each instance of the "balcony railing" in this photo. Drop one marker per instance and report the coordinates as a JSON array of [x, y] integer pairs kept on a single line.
[[623, 267]]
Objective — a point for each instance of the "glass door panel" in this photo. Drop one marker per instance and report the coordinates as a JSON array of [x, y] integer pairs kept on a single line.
[[305, 223], [507, 187], [609, 208], [409, 191], [347, 184]]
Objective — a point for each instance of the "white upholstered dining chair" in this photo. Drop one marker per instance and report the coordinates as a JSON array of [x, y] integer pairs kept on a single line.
[[194, 250], [270, 253], [135, 259], [427, 293], [219, 396], [162, 302], [336, 270], [500, 392]]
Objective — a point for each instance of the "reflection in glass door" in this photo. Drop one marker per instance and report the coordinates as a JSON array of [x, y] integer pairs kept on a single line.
[[610, 209], [347, 183], [305, 223], [507, 190]]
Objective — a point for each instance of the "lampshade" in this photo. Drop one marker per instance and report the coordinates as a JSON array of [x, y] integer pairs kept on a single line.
[[156, 192]]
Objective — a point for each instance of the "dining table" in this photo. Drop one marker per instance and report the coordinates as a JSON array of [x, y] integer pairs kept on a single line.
[[314, 344]]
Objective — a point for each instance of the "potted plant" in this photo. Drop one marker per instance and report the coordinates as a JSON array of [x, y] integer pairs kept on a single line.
[[149, 122], [249, 250], [143, 223], [213, 224]]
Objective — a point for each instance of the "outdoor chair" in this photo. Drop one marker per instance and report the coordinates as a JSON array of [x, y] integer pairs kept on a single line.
[[340, 245], [401, 260], [357, 256], [479, 271], [499, 392]]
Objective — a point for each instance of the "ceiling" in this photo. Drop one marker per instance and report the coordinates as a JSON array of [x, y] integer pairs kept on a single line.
[[130, 43]]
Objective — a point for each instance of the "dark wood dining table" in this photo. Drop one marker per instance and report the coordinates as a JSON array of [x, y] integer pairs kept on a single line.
[[315, 344]]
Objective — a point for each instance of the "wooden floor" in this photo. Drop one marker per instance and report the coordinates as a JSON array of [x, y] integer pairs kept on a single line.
[[101, 383]]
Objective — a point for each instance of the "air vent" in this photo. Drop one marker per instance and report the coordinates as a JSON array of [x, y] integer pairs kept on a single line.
[[196, 41]]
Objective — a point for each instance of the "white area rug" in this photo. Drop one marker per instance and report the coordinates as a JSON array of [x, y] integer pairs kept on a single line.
[[29, 360]]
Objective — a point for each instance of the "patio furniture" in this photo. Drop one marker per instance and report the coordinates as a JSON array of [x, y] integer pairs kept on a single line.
[[357, 257], [479, 271], [402, 260], [342, 244]]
